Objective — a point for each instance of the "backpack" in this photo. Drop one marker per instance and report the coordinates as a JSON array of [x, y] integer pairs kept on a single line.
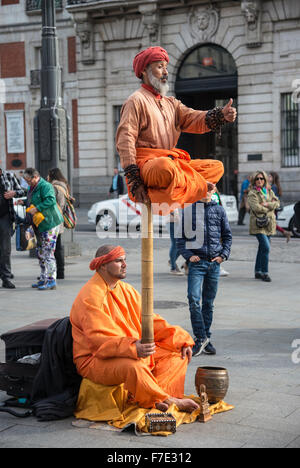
[[69, 213]]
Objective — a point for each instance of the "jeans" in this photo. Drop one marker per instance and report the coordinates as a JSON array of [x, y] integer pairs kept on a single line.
[[173, 253], [203, 282], [262, 257]]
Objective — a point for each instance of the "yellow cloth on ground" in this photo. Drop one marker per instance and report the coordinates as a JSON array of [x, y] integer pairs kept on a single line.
[[98, 402]]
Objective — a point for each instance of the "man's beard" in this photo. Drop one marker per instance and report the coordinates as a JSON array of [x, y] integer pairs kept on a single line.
[[158, 85]]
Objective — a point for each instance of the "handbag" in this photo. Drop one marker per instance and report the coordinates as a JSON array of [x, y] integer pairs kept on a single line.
[[69, 213], [25, 237], [263, 221]]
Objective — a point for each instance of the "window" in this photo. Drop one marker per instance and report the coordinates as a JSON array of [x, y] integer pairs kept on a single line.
[[207, 61], [116, 117], [290, 127]]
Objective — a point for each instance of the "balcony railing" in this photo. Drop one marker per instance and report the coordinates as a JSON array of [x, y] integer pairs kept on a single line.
[[36, 5]]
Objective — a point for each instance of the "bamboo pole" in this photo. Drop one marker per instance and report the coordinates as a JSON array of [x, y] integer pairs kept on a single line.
[[147, 274]]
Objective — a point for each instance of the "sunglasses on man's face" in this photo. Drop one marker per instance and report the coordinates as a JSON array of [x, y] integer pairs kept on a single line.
[[259, 178]]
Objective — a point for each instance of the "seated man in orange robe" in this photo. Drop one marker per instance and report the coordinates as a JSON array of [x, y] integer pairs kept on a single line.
[[149, 129], [107, 349]]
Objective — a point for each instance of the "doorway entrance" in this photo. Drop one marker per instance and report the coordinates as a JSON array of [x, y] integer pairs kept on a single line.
[[207, 78]]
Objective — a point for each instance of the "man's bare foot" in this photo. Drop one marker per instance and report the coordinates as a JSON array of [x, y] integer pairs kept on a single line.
[[183, 404], [162, 406]]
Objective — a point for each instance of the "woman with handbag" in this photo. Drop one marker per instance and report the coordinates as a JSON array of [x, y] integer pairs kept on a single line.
[[263, 203], [62, 189], [46, 218]]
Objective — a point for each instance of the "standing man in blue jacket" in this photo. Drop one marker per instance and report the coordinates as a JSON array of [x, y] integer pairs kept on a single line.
[[205, 242]]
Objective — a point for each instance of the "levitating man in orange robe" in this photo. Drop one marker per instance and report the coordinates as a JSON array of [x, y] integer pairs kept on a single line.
[[149, 129], [107, 348]]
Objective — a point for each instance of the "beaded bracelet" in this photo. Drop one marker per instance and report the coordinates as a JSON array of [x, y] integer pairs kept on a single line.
[[132, 173], [215, 120]]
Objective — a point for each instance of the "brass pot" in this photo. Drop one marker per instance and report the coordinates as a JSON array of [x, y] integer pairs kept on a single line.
[[216, 381]]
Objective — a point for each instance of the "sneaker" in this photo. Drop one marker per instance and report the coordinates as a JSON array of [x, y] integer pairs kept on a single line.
[[210, 349], [199, 346], [176, 273], [50, 284], [223, 272], [266, 277], [258, 275], [38, 284]]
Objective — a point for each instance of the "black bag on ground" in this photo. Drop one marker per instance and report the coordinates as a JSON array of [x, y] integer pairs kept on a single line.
[[16, 379], [26, 340], [51, 387]]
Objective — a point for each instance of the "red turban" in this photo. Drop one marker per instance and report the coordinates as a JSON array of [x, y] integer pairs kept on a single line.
[[112, 255], [143, 58]]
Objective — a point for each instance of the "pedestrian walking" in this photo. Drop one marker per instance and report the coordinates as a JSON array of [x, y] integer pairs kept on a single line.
[[9, 189], [46, 219], [244, 206], [205, 252], [263, 203], [173, 252], [62, 191], [274, 183], [117, 184]]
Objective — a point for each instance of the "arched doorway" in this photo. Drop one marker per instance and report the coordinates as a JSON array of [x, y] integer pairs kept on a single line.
[[207, 78]]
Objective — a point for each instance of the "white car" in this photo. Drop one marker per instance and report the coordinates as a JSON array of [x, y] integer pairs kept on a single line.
[[122, 213], [119, 213], [286, 219]]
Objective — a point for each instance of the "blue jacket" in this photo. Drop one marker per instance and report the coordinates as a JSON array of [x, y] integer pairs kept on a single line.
[[204, 231]]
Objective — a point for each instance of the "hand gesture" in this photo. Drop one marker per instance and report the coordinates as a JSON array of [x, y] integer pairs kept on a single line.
[[229, 112], [10, 194], [194, 259], [141, 195], [218, 260], [210, 186], [187, 352], [144, 349]]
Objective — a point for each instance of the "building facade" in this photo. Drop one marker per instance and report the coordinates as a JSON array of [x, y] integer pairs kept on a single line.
[[245, 50]]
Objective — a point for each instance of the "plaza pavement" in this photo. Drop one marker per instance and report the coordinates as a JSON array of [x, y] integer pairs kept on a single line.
[[255, 327]]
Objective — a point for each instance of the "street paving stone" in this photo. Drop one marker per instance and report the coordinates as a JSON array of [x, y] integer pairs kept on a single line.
[[255, 326]]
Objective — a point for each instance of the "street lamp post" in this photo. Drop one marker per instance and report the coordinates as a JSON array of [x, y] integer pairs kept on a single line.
[[51, 123]]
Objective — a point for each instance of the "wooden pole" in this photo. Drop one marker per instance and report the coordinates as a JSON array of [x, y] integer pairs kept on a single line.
[[147, 274]]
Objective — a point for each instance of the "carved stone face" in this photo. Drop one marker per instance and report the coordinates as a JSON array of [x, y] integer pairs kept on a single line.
[[202, 20], [250, 11]]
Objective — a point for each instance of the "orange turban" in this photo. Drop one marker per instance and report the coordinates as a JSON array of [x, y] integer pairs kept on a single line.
[[112, 255], [143, 58]]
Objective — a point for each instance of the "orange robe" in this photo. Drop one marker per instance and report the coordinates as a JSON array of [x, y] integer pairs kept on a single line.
[[148, 133], [106, 323]]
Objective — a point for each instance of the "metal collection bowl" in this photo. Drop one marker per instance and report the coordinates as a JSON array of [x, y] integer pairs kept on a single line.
[[216, 381]]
